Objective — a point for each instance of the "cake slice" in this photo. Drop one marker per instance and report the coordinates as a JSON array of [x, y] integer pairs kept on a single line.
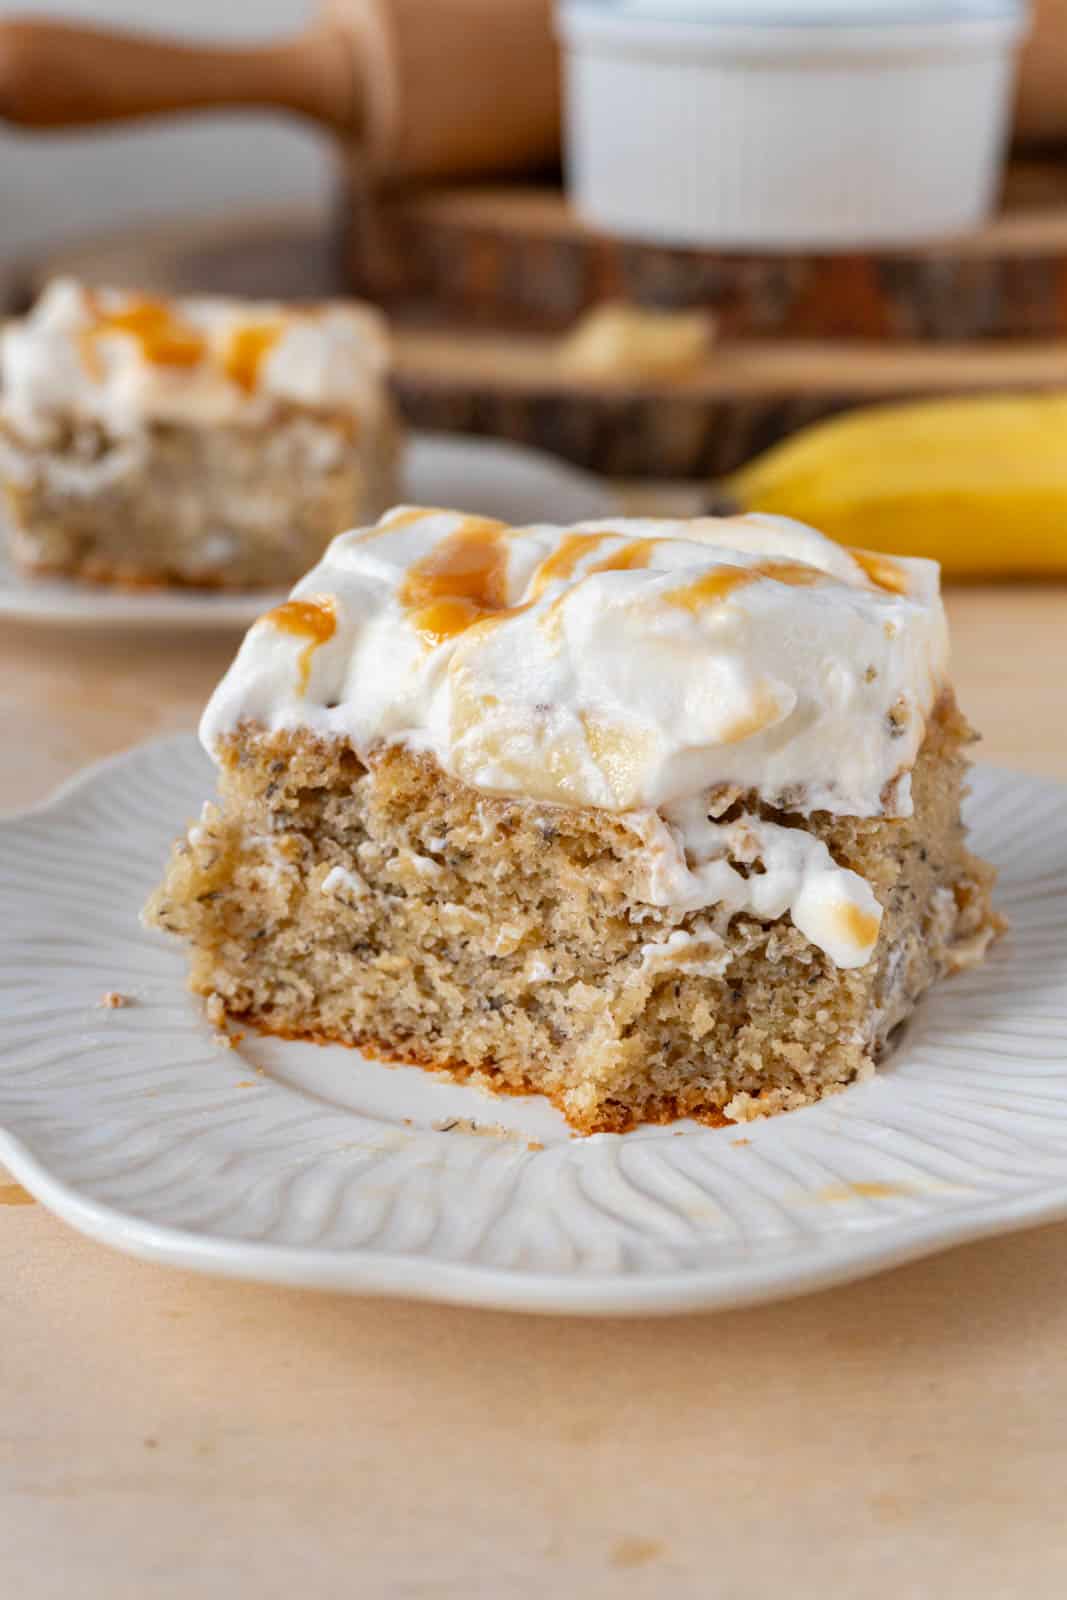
[[207, 442], [656, 818]]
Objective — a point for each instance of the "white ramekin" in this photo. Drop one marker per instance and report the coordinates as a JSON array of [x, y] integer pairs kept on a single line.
[[814, 131]]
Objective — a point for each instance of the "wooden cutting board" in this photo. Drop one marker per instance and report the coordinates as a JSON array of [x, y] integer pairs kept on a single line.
[[453, 265]]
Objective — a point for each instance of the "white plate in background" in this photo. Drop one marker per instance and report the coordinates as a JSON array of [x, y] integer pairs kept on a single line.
[[485, 476], [297, 1164]]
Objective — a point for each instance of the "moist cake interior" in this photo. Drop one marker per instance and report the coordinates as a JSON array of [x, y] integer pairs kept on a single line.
[[388, 906]]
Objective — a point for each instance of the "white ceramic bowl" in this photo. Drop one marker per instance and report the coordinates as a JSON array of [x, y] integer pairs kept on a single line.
[[828, 125]]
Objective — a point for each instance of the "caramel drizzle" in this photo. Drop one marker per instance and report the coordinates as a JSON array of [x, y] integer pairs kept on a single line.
[[560, 565], [314, 620], [629, 557], [858, 926], [246, 351], [461, 581], [721, 581], [165, 340], [883, 571]]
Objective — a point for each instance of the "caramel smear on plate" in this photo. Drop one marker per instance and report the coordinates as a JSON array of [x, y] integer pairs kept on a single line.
[[867, 1189], [636, 1552]]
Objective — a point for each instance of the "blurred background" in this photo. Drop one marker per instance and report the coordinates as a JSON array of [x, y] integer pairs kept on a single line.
[[771, 213], [64, 184]]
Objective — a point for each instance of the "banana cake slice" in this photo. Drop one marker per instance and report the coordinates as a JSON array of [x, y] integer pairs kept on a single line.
[[657, 818], [204, 442]]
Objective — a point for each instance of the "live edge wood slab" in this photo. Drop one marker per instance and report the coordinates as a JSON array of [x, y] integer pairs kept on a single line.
[[480, 282], [517, 254]]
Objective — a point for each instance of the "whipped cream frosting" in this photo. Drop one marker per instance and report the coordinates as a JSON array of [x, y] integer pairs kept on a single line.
[[123, 360], [629, 665]]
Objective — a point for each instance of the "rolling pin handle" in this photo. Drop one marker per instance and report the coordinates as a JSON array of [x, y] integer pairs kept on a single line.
[[56, 75]]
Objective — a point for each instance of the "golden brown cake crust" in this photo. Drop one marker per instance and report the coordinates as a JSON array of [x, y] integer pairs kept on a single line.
[[513, 944]]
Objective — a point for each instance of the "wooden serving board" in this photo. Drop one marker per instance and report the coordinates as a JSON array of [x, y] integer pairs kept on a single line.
[[519, 255], [454, 374], [748, 396]]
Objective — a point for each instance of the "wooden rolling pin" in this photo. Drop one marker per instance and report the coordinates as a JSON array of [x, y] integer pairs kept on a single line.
[[413, 88], [1041, 102]]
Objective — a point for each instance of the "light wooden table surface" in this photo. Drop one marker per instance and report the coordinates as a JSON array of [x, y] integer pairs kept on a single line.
[[165, 1436]]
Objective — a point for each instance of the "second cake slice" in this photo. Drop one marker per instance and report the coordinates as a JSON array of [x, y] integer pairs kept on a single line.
[[201, 442]]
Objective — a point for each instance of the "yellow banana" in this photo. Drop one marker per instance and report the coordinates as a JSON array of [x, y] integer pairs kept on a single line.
[[977, 483]]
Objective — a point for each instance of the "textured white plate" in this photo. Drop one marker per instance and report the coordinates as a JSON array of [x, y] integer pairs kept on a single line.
[[485, 476], [305, 1165]]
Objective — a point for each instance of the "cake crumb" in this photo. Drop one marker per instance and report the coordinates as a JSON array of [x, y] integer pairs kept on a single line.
[[482, 1130], [113, 1001], [737, 1143], [215, 1009], [534, 1144], [224, 1041]]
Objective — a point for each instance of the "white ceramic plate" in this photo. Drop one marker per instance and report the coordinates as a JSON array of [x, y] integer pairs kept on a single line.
[[486, 476], [297, 1164]]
